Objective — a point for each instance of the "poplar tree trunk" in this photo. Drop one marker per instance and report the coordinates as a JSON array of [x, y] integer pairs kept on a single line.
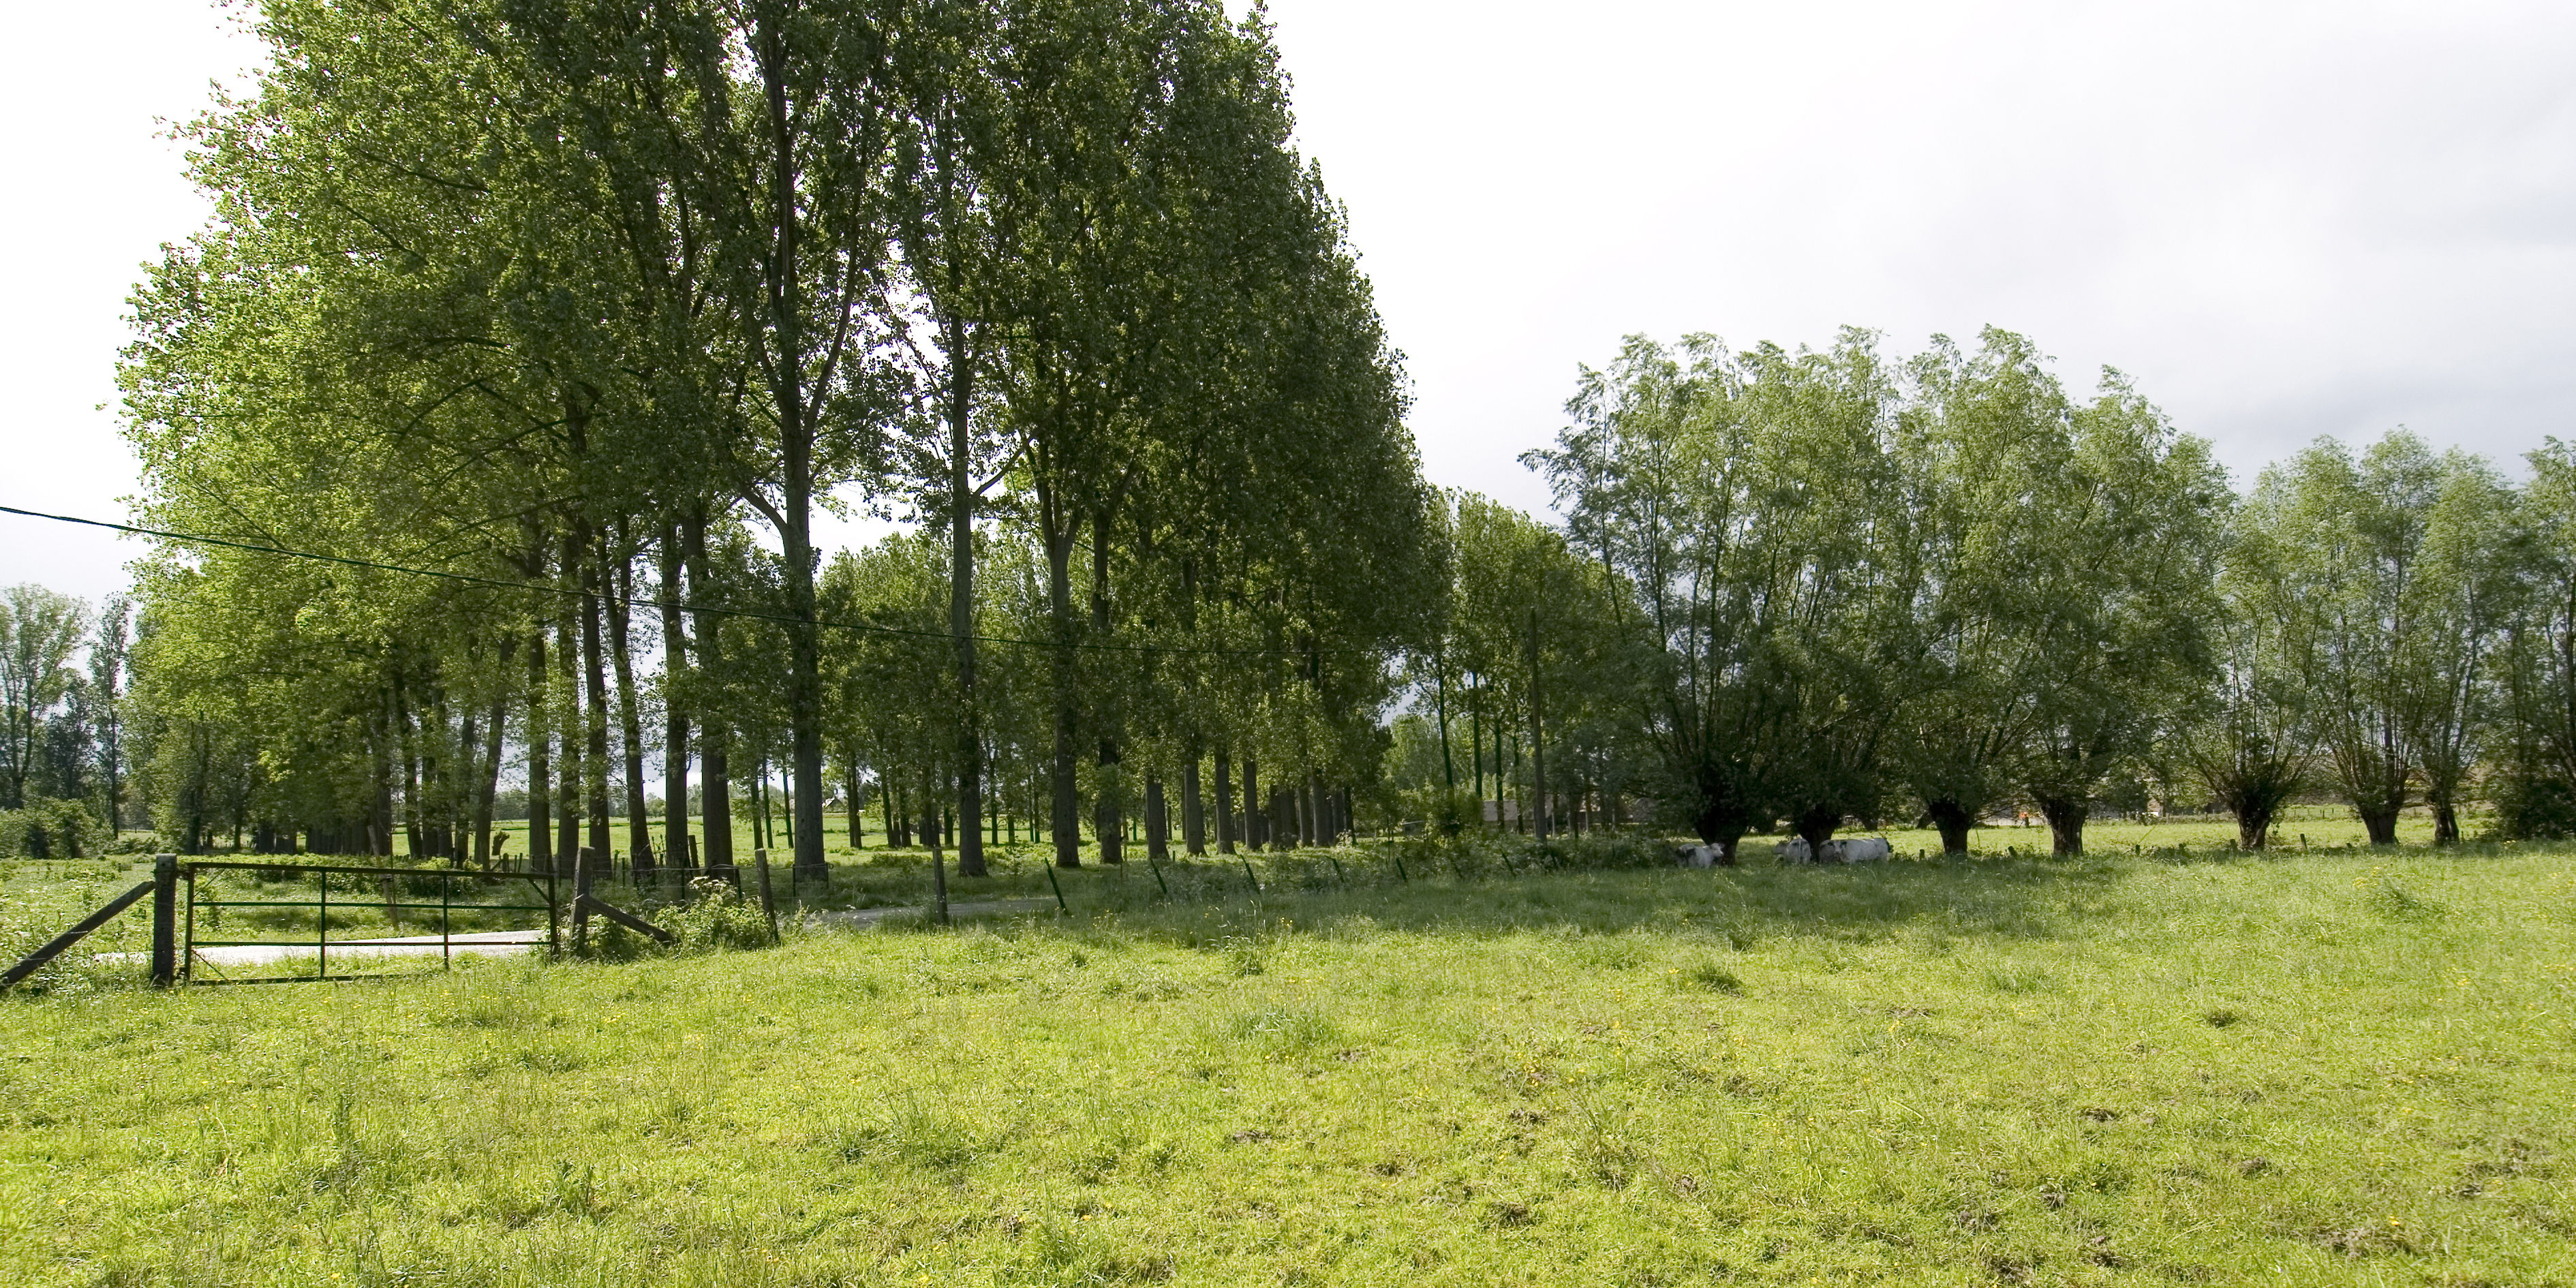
[[639, 829], [961, 594], [594, 760], [467, 791], [857, 810], [489, 784], [930, 831], [1538, 737], [1224, 802], [1108, 823], [438, 770], [1157, 821], [770, 51], [1064, 806], [1277, 824], [1193, 809], [541, 836], [1476, 744], [1310, 827], [398, 713], [382, 825], [1255, 833], [568, 729], [1448, 766], [715, 737], [675, 712]]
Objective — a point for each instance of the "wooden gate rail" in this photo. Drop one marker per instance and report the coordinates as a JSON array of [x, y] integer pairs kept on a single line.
[[53, 948]]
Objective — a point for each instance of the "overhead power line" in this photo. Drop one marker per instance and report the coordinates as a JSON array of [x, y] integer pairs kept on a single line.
[[631, 601]]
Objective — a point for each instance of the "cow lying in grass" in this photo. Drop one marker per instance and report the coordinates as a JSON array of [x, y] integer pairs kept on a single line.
[[1857, 849]]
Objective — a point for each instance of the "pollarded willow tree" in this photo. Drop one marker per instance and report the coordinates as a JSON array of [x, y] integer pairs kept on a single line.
[[1949, 578], [2535, 664], [2125, 645], [2401, 569], [1738, 497], [2253, 746]]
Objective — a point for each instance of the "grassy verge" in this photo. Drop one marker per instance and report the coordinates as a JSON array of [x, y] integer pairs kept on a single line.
[[2321, 1070]]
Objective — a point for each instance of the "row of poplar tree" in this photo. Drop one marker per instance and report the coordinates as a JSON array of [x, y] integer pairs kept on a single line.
[[1832, 586], [588, 309]]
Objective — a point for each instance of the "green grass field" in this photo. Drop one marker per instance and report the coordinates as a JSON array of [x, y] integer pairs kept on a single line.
[[2317, 1069]]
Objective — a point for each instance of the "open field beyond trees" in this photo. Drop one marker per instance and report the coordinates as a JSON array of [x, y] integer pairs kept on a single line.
[[2316, 1069]]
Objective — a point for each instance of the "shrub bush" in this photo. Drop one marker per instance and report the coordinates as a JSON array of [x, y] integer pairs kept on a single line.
[[2533, 807], [715, 915], [49, 829]]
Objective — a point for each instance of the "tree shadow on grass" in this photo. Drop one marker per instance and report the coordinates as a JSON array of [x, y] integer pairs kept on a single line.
[[1976, 898]]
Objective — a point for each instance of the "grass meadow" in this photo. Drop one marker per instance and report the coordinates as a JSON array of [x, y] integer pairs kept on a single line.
[[2336, 1067]]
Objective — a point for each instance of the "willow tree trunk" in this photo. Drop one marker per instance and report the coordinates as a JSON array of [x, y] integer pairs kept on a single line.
[[2065, 824], [2254, 825], [1953, 819]]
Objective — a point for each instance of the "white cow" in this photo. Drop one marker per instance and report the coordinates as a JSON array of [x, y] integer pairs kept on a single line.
[[1858, 849], [1699, 856], [1862, 849]]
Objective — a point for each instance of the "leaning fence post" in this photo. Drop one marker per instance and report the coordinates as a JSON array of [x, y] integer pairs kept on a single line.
[[165, 920]]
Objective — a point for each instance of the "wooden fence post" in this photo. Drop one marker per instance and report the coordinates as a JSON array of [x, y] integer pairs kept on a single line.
[[165, 920]]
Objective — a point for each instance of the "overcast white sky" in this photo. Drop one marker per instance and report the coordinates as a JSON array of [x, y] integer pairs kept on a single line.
[[2284, 220]]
